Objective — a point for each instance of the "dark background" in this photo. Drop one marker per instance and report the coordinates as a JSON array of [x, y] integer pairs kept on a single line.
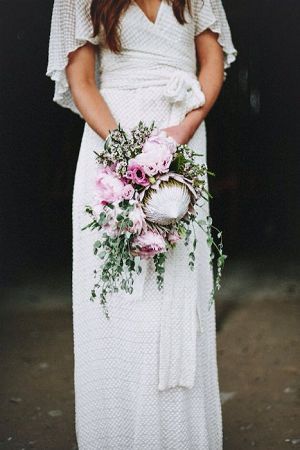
[[252, 136]]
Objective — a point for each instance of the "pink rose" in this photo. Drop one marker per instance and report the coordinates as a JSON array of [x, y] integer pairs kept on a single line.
[[127, 192], [137, 216], [157, 154], [109, 186], [161, 141], [149, 162], [154, 161], [173, 237], [165, 161], [148, 244], [136, 173]]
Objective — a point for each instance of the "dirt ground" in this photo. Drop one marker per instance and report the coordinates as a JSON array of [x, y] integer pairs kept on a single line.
[[258, 357]]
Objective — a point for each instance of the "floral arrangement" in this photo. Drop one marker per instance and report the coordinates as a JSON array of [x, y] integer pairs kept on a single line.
[[146, 190]]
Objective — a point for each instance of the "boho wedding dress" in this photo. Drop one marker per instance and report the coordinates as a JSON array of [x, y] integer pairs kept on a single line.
[[147, 378]]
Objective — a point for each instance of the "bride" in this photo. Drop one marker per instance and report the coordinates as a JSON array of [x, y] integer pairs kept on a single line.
[[147, 378]]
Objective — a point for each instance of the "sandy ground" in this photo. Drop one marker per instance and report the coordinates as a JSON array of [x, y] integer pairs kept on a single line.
[[258, 356]]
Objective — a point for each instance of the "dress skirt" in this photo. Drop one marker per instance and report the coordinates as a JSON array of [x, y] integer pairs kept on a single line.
[[117, 403]]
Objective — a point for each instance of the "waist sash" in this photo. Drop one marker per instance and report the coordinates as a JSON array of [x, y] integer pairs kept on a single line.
[[180, 88]]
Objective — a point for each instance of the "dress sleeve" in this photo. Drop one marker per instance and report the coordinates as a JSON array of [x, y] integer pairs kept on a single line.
[[71, 28], [210, 14]]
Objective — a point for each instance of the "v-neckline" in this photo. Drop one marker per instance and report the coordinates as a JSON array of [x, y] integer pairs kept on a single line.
[[158, 14]]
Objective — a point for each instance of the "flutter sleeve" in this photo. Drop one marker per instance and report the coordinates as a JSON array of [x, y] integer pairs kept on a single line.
[[71, 28], [210, 14]]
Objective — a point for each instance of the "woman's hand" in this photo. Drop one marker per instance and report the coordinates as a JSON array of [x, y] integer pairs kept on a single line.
[[211, 76], [181, 133]]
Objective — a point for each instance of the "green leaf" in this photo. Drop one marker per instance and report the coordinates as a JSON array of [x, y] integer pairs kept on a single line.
[[177, 165], [97, 244]]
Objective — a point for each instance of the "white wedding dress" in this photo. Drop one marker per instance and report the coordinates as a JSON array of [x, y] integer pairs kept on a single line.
[[147, 378]]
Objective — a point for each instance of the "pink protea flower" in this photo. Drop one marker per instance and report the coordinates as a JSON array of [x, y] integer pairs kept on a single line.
[[148, 244], [173, 237], [109, 186], [137, 216]]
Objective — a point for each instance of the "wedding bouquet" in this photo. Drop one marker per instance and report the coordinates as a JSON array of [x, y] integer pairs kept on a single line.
[[146, 190]]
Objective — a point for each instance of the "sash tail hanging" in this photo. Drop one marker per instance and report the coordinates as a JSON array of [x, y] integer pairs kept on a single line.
[[179, 323]]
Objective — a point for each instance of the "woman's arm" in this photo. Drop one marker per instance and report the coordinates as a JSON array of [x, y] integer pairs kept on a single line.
[[80, 73], [211, 77]]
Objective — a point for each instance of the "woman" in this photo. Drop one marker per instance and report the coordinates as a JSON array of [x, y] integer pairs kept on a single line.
[[147, 378]]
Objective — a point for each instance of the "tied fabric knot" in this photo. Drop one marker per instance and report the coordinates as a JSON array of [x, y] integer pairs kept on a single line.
[[184, 93]]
